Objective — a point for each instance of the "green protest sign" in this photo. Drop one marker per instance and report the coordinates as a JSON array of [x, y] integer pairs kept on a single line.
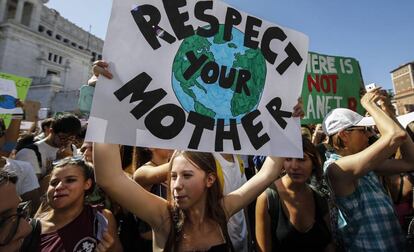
[[22, 86], [330, 82]]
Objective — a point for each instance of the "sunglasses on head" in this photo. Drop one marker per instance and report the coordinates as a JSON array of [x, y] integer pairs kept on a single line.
[[77, 158]]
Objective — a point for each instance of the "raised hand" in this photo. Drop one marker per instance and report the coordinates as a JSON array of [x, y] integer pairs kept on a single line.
[[106, 243], [99, 67], [298, 109]]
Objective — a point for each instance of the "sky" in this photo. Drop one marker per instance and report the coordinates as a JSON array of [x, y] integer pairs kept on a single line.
[[378, 33]]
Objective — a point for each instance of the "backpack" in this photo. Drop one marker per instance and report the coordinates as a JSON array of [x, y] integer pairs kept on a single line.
[[32, 241], [28, 142]]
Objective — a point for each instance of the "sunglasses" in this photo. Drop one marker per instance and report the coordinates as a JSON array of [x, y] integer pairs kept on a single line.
[[358, 128], [76, 159]]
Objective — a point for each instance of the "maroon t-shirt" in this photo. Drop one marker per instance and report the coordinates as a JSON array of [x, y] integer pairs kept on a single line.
[[77, 236]]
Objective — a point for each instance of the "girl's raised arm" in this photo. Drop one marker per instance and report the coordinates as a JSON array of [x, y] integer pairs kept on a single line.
[[110, 177], [236, 200]]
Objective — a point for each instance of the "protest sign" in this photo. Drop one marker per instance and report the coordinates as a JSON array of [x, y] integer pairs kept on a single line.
[[330, 82], [199, 75], [85, 98], [26, 125], [43, 113], [8, 98], [11, 88], [31, 109]]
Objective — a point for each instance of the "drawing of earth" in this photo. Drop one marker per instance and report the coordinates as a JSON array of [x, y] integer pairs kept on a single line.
[[210, 99], [7, 102]]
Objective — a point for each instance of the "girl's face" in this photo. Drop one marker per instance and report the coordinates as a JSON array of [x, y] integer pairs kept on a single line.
[[299, 170], [188, 183], [357, 138], [67, 186]]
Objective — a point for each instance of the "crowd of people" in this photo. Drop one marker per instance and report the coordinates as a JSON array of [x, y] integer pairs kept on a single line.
[[351, 191]]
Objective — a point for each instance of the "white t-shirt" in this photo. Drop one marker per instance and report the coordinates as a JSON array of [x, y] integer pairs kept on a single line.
[[47, 152], [27, 180], [234, 179]]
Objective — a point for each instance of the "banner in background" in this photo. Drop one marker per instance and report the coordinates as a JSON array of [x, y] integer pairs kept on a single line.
[[330, 82], [9, 93]]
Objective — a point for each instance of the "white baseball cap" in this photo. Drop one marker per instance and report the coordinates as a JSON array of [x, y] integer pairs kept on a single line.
[[342, 118]]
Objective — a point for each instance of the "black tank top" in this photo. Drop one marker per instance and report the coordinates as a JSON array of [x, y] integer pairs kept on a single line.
[[219, 248], [287, 238]]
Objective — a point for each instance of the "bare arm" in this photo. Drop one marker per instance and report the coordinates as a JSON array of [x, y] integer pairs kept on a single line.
[[148, 175], [263, 225], [241, 197], [405, 164], [348, 169], [113, 231], [124, 190]]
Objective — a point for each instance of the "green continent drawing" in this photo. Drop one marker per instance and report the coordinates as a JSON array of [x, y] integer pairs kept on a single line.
[[199, 46], [256, 63], [211, 99]]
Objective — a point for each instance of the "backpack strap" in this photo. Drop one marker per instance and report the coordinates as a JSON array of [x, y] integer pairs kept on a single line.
[[273, 210], [32, 241], [35, 148], [321, 203]]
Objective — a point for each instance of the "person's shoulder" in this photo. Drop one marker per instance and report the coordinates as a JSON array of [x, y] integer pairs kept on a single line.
[[24, 154], [331, 158], [20, 164], [41, 142], [44, 146]]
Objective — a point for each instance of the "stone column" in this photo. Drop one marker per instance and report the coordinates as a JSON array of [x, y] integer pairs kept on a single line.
[[37, 12], [19, 11], [3, 9], [65, 76]]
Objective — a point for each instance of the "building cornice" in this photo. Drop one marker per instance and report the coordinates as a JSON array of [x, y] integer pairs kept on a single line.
[[401, 66], [41, 39]]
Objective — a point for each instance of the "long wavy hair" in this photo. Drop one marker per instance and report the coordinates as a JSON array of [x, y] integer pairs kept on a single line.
[[214, 209]]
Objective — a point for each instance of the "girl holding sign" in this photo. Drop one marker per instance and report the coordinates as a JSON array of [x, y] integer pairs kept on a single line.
[[194, 217]]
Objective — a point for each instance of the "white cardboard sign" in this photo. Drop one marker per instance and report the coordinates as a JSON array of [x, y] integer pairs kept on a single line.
[[199, 75], [8, 96]]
